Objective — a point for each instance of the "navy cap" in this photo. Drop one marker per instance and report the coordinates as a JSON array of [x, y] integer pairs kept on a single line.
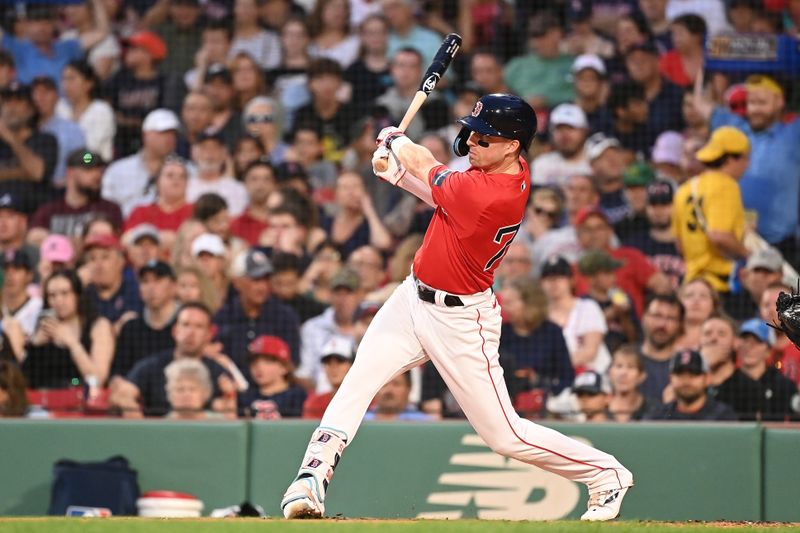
[[659, 192], [687, 361], [556, 266], [589, 382], [257, 265], [159, 268], [11, 201], [18, 258], [218, 70]]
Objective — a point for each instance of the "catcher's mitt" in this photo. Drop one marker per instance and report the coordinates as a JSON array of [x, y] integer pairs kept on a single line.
[[788, 308]]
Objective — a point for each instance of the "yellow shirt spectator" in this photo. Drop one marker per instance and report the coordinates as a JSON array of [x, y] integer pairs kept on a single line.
[[708, 214], [708, 202]]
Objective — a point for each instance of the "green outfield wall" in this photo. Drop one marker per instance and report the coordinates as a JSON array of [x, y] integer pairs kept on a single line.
[[417, 470]]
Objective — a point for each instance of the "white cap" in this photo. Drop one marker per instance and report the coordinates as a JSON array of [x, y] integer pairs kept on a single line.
[[668, 148], [339, 345], [568, 115], [599, 143], [591, 61], [208, 243], [160, 120]]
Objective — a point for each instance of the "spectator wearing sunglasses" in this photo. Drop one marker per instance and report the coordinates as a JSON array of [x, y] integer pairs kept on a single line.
[[263, 119]]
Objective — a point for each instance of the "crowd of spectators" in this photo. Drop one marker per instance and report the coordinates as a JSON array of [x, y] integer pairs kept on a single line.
[[190, 226]]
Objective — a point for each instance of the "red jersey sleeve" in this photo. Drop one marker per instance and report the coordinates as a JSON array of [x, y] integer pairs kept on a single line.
[[459, 195]]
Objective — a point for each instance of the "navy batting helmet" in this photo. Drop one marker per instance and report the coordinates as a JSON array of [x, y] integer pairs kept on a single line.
[[500, 115]]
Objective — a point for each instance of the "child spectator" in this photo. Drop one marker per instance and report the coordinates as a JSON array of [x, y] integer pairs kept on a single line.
[[626, 374], [274, 394], [593, 394], [337, 358]]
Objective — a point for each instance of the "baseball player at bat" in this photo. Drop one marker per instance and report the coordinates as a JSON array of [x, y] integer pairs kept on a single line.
[[445, 311]]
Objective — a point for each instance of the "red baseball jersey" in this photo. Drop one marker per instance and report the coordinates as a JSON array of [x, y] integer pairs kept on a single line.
[[476, 218]]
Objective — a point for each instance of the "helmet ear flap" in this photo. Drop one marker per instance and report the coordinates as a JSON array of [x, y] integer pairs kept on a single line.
[[460, 147]]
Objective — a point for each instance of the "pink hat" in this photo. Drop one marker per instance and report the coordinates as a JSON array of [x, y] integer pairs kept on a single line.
[[57, 249], [668, 148]]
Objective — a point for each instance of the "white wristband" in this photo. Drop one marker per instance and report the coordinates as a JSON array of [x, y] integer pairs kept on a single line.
[[398, 143]]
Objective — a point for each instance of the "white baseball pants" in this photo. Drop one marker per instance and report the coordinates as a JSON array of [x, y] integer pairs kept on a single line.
[[462, 342]]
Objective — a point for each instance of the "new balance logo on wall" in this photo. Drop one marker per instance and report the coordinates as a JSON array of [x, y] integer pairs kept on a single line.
[[503, 489]]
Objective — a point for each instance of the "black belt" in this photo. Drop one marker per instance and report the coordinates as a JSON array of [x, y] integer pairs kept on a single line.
[[429, 295]]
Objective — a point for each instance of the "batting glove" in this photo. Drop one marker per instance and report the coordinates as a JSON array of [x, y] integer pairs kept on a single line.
[[394, 171], [386, 133]]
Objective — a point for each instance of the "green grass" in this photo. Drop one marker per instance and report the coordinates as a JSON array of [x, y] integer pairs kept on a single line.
[[248, 525]]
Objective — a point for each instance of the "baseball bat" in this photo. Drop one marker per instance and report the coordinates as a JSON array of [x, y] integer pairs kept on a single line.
[[437, 68]]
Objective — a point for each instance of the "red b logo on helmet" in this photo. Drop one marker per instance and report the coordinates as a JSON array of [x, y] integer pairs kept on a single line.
[[477, 109]]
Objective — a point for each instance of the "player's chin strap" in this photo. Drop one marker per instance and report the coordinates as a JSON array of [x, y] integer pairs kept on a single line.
[[322, 455]]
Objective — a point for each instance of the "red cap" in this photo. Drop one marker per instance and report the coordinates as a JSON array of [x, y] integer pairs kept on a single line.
[[102, 241], [151, 42], [585, 212], [270, 346]]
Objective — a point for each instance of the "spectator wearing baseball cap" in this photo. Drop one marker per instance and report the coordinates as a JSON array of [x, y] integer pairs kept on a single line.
[[337, 319], [635, 179], [137, 88], [636, 276], [142, 245], [70, 137], [337, 358], [667, 157], [758, 390], [18, 305], [593, 394], [273, 394], [608, 160], [688, 377], [128, 180], [543, 75], [599, 269], [708, 216], [656, 240], [589, 77], [81, 202], [151, 331], [568, 132], [13, 227], [55, 253], [763, 269], [252, 310], [581, 319], [210, 254]]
